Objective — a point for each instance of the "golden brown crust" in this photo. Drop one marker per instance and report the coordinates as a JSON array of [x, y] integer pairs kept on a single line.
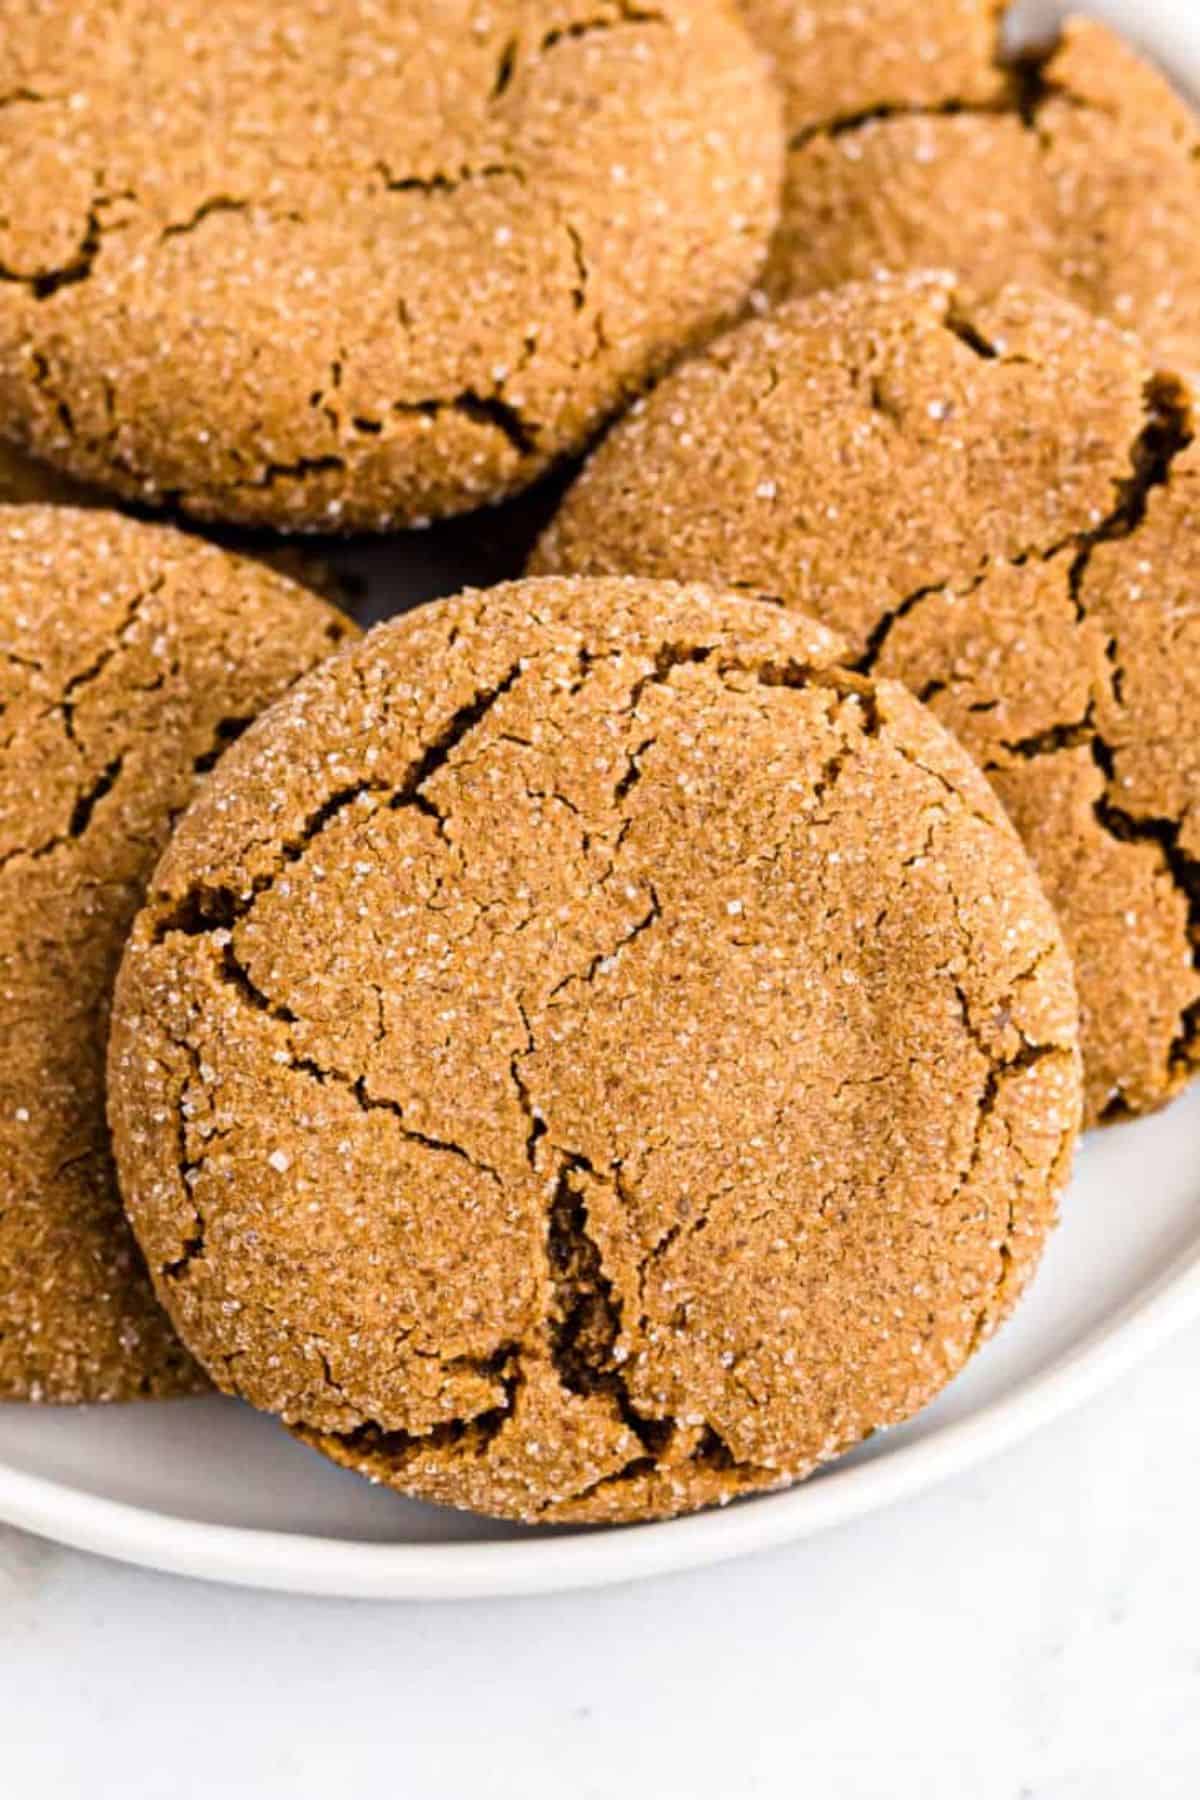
[[1080, 173], [363, 264], [525, 1083], [129, 655], [999, 512]]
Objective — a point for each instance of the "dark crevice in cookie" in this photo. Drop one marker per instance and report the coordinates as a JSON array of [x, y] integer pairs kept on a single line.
[[607, 956], [26, 96], [193, 1246], [218, 203], [1168, 431], [492, 409], [444, 181], [633, 772], [88, 801], [84, 678], [846, 124], [235, 974], [958, 322], [624, 13], [879, 633], [81, 816], [226, 732], [365, 1100], [710, 1452], [369, 1102], [536, 1124], [440, 748], [45, 283], [585, 1320], [506, 64], [1027, 1057], [304, 466], [668, 658], [582, 273], [1000, 1070], [1184, 871], [208, 907], [1027, 87], [466, 1437], [1052, 740]]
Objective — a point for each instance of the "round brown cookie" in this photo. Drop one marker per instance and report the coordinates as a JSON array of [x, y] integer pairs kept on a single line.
[[977, 500], [586, 1056], [351, 265], [1078, 171], [129, 655]]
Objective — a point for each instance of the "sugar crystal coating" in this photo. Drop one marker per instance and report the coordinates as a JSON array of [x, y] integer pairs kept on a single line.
[[129, 656], [914, 145], [347, 264], [587, 1056], [999, 506]]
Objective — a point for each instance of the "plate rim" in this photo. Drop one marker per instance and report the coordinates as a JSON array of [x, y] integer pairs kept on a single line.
[[302, 1563]]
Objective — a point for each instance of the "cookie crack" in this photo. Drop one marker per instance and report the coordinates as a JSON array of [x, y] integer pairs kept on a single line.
[[489, 411], [86, 676], [368, 1102], [1167, 431], [466, 1436], [45, 283], [82, 811], [217, 203], [216, 906], [1183, 871], [839, 125], [584, 1322], [1027, 88], [604, 960], [444, 181], [887, 621], [625, 13]]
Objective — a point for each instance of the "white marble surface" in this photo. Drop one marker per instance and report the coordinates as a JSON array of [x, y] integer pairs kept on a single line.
[[1031, 1632]]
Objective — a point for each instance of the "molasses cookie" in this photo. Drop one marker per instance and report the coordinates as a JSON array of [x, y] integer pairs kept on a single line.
[[912, 146], [586, 1056], [129, 656], [345, 266], [993, 505]]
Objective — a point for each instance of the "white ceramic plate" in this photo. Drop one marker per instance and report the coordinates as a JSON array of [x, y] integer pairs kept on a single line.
[[207, 1488]]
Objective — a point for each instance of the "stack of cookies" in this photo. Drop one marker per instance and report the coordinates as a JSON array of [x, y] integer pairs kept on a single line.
[[605, 1043]]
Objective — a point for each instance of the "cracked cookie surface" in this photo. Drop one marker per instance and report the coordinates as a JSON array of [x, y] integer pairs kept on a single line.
[[350, 265], [911, 146], [129, 655], [998, 506], [587, 1056]]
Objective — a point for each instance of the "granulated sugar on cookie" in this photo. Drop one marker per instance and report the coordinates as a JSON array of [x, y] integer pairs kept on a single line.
[[344, 265], [587, 1056], [997, 505], [912, 147], [130, 655]]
